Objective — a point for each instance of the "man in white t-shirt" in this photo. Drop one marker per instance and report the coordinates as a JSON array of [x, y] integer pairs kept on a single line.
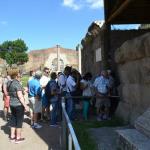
[[45, 102], [62, 78]]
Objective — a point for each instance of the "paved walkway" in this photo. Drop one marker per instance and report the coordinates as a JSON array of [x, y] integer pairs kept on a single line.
[[46, 138]]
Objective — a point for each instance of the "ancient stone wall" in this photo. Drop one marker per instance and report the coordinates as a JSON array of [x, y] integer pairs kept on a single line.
[[45, 57], [117, 38], [88, 53], [133, 61]]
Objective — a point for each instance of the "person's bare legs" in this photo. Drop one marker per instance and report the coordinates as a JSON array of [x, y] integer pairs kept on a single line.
[[5, 113], [48, 112], [32, 117], [106, 111], [97, 111], [13, 132], [18, 133], [43, 113], [35, 117]]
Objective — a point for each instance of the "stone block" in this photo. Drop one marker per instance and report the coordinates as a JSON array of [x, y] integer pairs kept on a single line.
[[134, 49], [142, 123], [130, 72], [144, 68], [134, 101], [131, 139], [123, 111]]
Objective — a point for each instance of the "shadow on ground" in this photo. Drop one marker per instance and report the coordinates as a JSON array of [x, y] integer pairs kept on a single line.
[[50, 135]]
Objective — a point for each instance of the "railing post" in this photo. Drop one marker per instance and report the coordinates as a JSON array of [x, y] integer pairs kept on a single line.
[[70, 142], [64, 128], [68, 135]]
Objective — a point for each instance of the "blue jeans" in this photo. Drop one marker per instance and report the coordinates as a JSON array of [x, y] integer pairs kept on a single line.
[[45, 101], [53, 114], [70, 107]]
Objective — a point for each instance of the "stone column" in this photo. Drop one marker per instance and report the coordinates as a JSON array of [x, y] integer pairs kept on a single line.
[[78, 48], [58, 57]]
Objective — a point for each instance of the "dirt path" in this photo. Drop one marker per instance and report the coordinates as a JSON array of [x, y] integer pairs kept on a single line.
[[46, 138]]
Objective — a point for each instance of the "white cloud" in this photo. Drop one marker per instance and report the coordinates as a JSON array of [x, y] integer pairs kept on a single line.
[[78, 4], [3, 22], [72, 4], [95, 4]]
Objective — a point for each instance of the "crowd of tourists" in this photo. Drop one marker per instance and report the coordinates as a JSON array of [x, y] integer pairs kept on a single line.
[[45, 90]]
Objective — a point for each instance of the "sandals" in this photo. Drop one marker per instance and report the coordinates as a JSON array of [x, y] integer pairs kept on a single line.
[[17, 141], [12, 139]]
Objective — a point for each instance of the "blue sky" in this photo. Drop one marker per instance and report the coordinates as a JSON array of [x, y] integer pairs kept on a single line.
[[46, 23]]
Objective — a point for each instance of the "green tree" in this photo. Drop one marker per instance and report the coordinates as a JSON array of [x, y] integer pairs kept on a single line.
[[14, 52]]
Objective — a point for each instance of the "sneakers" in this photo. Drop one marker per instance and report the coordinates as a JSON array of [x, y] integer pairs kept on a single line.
[[105, 117], [99, 119], [54, 125], [36, 126], [17, 141]]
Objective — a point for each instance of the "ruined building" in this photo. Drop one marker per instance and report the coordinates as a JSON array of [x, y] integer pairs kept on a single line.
[[55, 58], [131, 65]]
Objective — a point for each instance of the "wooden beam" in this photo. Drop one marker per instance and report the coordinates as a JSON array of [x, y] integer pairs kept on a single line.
[[107, 9], [123, 6]]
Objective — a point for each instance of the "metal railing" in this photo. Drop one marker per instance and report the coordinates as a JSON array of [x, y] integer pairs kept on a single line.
[[69, 139]]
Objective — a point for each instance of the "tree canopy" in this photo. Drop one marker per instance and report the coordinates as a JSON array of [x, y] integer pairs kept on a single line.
[[14, 52]]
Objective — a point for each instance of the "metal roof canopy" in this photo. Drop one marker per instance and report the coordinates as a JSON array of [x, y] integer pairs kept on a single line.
[[127, 11]]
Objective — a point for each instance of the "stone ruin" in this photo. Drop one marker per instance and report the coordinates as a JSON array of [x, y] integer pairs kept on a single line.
[[133, 61], [137, 138]]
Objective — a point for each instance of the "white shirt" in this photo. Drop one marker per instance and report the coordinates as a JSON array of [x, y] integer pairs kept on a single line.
[[88, 90], [43, 81], [62, 82], [101, 84], [70, 83], [96, 82]]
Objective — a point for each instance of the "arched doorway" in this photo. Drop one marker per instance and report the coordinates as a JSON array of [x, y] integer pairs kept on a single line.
[[55, 66]]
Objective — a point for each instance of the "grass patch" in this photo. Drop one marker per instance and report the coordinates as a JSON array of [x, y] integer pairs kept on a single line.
[[24, 80], [81, 129]]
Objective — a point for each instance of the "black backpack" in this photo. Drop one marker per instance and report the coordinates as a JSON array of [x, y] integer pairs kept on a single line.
[[48, 90]]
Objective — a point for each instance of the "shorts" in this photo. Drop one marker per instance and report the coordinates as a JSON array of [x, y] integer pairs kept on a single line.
[[45, 101], [103, 101], [35, 105], [6, 101]]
